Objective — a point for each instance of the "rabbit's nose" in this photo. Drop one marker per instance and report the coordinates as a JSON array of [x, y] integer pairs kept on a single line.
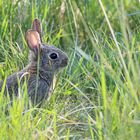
[[65, 61]]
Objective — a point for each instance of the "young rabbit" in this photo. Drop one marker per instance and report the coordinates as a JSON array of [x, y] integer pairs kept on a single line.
[[44, 62]]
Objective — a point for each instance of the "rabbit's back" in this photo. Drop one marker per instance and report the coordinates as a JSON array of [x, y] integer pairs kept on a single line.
[[11, 85]]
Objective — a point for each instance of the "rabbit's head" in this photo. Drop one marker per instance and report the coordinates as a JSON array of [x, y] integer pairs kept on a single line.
[[48, 57]]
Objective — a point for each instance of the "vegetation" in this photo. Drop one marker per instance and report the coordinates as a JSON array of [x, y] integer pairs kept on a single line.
[[97, 95]]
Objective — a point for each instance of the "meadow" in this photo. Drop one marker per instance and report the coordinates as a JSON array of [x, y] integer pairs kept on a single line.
[[97, 95]]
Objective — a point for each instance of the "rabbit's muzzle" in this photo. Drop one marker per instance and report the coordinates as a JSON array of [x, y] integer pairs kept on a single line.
[[64, 62]]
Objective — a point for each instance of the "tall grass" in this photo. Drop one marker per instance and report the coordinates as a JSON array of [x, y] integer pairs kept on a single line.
[[97, 95]]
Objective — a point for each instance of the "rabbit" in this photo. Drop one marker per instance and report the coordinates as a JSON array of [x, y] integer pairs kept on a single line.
[[44, 63]]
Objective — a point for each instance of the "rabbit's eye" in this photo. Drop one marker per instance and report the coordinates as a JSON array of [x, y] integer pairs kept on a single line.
[[53, 55]]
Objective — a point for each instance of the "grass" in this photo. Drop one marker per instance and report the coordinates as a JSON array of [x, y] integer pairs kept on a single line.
[[97, 95]]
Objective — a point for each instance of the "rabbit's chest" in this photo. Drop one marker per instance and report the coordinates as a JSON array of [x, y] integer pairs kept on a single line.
[[40, 89]]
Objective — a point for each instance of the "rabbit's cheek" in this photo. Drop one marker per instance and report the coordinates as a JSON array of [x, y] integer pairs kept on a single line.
[[43, 62]]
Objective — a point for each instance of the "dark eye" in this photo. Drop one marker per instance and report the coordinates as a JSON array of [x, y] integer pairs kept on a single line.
[[53, 56]]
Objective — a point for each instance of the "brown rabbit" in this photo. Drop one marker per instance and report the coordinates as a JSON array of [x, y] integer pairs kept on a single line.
[[44, 62]]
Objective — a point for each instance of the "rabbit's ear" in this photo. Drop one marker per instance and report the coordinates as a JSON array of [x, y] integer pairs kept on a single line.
[[37, 26], [33, 40]]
